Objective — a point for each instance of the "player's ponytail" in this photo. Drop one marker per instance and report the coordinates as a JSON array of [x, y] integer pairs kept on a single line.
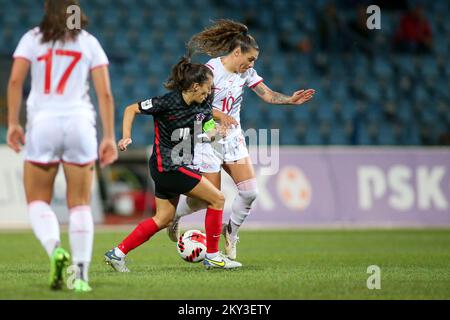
[[184, 74], [221, 38], [53, 26]]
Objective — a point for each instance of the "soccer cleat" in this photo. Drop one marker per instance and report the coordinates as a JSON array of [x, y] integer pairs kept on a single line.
[[221, 262], [118, 264], [230, 243], [173, 230], [59, 261], [81, 286]]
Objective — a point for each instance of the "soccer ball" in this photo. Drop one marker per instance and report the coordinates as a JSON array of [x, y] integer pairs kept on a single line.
[[192, 246]]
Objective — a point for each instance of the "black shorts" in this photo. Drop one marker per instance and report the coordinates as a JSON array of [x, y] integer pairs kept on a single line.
[[170, 184]]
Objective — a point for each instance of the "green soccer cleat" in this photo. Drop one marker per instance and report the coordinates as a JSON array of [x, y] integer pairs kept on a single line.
[[81, 286], [59, 261], [221, 262]]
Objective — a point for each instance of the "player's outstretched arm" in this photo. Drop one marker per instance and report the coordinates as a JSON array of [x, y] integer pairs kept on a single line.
[[15, 136], [270, 96], [128, 118], [107, 149]]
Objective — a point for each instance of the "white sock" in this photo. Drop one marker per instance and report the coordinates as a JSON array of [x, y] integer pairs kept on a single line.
[[188, 205], [212, 255], [233, 229], [45, 225], [242, 204], [81, 237], [119, 253]]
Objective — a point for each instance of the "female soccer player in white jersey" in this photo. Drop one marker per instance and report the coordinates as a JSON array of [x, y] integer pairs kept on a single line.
[[61, 129], [232, 73]]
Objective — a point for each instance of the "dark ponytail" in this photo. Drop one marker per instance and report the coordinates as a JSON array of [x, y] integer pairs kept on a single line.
[[222, 37], [184, 74], [54, 23]]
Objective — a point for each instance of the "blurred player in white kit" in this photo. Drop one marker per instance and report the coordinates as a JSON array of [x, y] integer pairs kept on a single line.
[[61, 128]]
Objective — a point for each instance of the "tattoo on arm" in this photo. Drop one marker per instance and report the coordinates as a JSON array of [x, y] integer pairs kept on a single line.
[[269, 96], [259, 90], [279, 98]]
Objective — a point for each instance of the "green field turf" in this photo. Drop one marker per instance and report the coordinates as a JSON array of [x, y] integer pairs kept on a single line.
[[288, 264]]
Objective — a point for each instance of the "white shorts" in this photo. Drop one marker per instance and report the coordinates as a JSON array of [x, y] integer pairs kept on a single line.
[[209, 157], [61, 138]]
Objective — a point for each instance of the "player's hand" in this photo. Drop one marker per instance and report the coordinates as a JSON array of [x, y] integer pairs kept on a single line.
[[221, 130], [15, 137], [227, 121], [302, 96], [107, 152], [123, 143]]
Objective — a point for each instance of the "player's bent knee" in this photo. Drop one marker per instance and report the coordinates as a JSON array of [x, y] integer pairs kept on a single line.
[[218, 202], [163, 218], [196, 204], [249, 195], [163, 222]]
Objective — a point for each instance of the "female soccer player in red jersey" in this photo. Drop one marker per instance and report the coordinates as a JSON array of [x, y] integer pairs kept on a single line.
[[175, 116], [61, 129], [232, 73]]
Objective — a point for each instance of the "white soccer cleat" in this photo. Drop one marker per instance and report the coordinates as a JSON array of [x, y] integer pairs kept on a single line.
[[117, 263], [230, 242], [221, 262], [173, 230]]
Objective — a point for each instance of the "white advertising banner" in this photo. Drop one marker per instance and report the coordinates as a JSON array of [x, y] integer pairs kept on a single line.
[[13, 208]]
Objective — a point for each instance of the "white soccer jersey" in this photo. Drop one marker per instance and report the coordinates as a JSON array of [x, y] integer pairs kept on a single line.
[[60, 71], [229, 87]]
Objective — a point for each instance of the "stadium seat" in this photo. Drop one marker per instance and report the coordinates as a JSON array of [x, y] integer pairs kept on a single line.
[[387, 135], [288, 136], [382, 68], [313, 135], [350, 87], [338, 135]]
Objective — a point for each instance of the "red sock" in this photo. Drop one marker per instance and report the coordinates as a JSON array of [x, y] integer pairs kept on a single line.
[[213, 228], [139, 235]]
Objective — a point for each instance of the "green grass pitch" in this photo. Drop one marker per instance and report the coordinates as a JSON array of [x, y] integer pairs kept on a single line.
[[282, 264]]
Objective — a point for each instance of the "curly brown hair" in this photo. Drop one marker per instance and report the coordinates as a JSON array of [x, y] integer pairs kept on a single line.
[[222, 37], [54, 23]]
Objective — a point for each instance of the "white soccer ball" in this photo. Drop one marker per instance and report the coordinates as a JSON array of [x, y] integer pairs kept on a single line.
[[192, 246]]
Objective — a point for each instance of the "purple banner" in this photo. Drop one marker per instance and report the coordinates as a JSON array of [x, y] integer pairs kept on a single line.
[[350, 187]]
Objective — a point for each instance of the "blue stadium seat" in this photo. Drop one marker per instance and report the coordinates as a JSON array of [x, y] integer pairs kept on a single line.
[[406, 64], [428, 67], [386, 135], [301, 115], [404, 112], [276, 113], [411, 135], [382, 67], [288, 136], [325, 112], [339, 135], [362, 134], [313, 136], [144, 38]]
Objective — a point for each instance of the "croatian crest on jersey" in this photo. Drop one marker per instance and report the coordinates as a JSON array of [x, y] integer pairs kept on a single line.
[[199, 117]]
